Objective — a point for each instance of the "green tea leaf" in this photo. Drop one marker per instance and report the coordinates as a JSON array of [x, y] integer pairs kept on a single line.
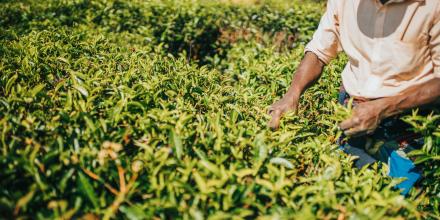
[[87, 189], [176, 143], [133, 212]]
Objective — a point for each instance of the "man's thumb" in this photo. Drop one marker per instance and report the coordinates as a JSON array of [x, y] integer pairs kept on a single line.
[[275, 121]]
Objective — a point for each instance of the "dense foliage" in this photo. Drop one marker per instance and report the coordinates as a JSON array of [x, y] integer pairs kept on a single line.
[[157, 109]]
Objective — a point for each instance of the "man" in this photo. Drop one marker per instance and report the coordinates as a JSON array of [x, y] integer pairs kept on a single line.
[[394, 66]]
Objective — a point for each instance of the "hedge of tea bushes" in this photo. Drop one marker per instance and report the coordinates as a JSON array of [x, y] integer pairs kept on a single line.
[[98, 122], [202, 29], [428, 158]]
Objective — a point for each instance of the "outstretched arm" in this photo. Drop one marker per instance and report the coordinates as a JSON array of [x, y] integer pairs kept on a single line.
[[324, 46], [367, 116]]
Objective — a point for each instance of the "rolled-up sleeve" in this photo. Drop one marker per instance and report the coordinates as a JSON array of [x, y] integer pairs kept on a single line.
[[434, 43], [325, 42]]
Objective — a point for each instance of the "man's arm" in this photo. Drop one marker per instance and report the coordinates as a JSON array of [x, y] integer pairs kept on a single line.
[[324, 47], [367, 116], [417, 96], [308, 72]]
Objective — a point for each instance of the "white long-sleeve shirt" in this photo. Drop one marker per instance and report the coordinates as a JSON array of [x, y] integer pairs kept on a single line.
[[390, 47]]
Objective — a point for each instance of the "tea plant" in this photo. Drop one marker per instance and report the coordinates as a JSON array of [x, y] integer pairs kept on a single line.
[[429, 156]]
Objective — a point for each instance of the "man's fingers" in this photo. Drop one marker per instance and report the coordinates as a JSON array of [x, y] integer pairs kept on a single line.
[[275, 121], [347, 124], [355, 132]]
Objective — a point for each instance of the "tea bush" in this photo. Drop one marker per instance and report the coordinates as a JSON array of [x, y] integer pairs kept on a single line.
[[104, 113], [200, 29]]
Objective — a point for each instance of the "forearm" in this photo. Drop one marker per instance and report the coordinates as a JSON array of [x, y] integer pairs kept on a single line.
[[366, 116], [416, 96], [308, 72]]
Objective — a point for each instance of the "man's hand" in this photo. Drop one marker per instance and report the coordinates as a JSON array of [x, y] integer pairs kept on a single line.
[[365, 118], [308, 72], [284, 105]]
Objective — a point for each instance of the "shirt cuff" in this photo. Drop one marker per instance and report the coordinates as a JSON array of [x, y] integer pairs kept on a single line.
[[321, 56]]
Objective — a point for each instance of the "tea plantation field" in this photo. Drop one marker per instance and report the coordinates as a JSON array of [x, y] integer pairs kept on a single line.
[[130, 109]]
